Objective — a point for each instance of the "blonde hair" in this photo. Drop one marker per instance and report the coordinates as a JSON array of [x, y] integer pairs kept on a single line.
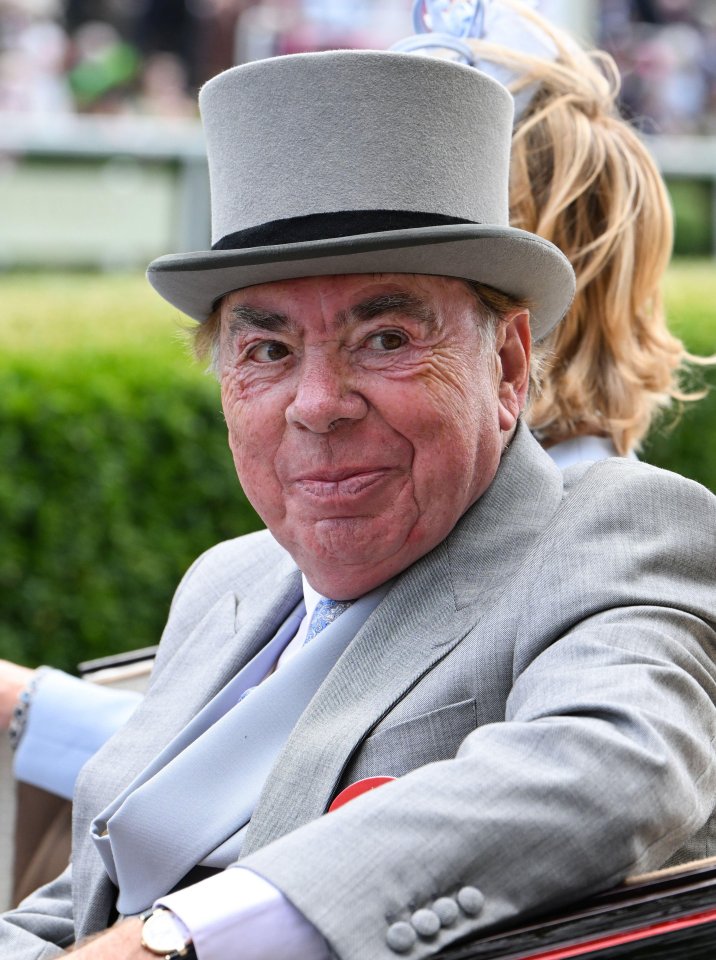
[[581, 178]]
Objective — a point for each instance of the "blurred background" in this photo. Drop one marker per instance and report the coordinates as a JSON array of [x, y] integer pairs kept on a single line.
[[116, 472]]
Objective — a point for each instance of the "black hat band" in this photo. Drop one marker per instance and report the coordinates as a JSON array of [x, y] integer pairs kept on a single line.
[[329, 226]]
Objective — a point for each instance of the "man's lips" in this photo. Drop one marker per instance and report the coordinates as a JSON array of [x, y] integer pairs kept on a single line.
[[340, 483]]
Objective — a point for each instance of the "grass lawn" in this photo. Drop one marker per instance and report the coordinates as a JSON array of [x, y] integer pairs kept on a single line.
[[53, 314], [690, 291]]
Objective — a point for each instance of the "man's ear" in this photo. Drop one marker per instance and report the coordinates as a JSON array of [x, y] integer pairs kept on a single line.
[[514, 342]]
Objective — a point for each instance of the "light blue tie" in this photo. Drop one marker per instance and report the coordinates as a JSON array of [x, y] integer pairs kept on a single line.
[[325, 613]]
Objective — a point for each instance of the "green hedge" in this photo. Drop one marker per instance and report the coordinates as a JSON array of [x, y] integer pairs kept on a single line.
[[118, 481], [116, 471], [685, 440], [693, 226]]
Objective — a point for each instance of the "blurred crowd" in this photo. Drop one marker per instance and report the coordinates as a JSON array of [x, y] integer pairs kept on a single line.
[[111, 56], [666, 52], [150, 56]]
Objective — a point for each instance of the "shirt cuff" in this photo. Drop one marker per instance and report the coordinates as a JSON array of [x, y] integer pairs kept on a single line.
[[238, 913], [68, 720], [18, 721]]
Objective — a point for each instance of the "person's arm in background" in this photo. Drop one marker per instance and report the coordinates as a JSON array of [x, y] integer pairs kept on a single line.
[[13, 680], [63, 722]]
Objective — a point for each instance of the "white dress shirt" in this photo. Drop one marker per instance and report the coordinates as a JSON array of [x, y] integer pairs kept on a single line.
[[580, 449]]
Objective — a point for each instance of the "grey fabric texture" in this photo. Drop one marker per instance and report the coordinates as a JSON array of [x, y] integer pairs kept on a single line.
[[136, 834], [41, 926], [355, 131], [557, 650], [340, 131]]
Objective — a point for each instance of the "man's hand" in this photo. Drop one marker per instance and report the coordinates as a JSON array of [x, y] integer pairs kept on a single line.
[[122, 942], [13, 680]]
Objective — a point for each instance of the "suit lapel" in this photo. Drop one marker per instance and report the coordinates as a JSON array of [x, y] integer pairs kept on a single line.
[[428, 611], [232, 631], [227, 637], [495, 538]]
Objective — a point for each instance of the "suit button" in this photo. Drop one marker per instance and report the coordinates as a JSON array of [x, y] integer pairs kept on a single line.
[[447, 910], [471, 900], [426, 922], [400, 936]]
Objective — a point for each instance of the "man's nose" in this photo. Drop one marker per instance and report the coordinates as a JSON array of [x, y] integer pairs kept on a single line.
[[325, 396]]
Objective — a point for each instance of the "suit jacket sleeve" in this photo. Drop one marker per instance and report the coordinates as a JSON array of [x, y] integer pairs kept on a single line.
[[41, 926], [602, 767]]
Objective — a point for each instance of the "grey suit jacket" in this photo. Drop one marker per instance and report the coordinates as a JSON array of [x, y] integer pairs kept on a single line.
[[542, 684]]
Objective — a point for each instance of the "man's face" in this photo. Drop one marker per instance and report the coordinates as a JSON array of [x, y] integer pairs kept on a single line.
[[366, 413]]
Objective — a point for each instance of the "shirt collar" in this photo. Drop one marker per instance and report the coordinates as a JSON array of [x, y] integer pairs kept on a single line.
[[310, 597]]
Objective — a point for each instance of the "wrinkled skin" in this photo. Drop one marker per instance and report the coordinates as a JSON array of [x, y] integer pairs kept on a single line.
[[366, 413]]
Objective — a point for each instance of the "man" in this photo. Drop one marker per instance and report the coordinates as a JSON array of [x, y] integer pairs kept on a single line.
[[525, 658]]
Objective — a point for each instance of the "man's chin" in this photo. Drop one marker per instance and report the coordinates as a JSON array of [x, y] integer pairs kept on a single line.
[[346, 557]]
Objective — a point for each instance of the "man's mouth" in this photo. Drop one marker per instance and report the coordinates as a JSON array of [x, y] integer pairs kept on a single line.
[[340, 483]]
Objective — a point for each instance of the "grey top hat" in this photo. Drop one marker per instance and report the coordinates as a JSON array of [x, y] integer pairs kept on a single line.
[[361, 162]]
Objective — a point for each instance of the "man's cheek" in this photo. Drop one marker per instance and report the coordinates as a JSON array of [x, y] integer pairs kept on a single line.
[[250, 454], [247, 451], [254, 460]]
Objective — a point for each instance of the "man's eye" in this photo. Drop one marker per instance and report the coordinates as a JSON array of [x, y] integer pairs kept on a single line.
[[386, 340], [269, 352]]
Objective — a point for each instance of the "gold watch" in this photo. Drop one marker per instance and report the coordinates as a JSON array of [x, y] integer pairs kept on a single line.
[[163, 936]]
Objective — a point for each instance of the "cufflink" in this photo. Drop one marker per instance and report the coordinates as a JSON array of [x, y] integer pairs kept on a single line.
[[163, 936]]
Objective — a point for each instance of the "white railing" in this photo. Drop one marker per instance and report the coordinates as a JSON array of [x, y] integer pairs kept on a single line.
[[134, 172]]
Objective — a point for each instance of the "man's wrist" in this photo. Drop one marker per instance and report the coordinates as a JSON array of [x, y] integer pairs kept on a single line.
[[120, 942], [164, 935]]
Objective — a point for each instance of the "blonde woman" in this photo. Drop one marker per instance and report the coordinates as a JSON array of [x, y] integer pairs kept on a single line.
[[582, 178]]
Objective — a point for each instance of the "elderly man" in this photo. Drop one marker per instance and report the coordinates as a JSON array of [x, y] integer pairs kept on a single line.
[[521, 660]]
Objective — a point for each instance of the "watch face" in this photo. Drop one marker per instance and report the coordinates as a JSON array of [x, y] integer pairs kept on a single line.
[[162, 935]]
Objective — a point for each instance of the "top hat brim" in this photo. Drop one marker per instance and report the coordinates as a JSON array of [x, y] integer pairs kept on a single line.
[[513, 261]]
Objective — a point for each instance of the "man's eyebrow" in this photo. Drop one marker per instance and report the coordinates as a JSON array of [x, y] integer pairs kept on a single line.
[[242, 317], [404, 303]]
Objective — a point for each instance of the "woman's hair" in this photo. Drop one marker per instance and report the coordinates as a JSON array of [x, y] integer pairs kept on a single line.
[[581, 178]]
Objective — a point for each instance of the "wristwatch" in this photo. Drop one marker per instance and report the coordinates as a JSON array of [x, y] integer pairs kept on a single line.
[[164, 936]]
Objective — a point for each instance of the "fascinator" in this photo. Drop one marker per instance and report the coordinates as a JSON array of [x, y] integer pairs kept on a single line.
[[448, 25]]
